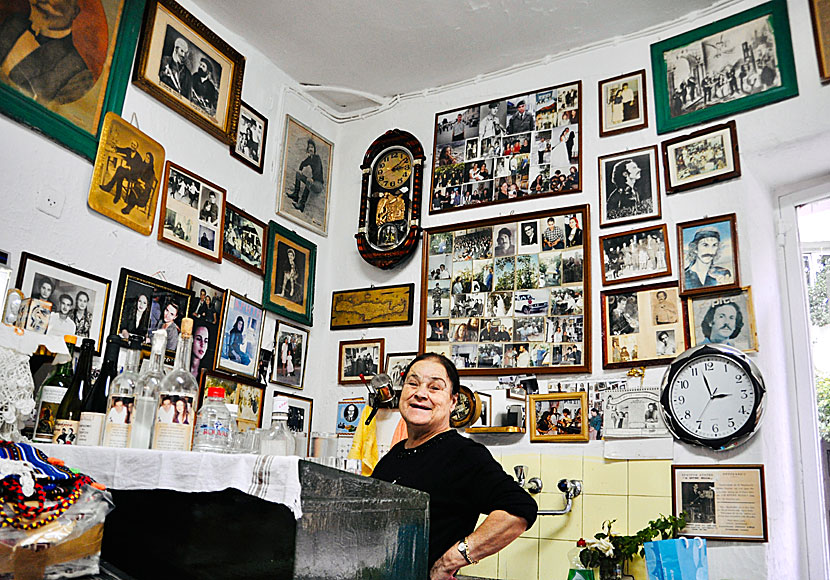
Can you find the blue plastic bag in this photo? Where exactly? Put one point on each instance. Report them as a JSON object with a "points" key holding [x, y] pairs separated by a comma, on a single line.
{"points": [[681, 559]]}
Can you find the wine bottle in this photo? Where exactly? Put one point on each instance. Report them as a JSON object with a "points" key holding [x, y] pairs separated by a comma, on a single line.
{"points": [[177, 397], [50, 395], [121, 400], [147, 393], [69, 411], [94, 406]]}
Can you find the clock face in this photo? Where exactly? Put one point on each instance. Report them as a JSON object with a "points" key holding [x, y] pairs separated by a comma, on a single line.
{"points": [[393, 169]]}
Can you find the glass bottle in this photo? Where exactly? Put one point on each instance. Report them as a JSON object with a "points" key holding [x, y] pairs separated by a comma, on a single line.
{"points": [[173, 428], [121, 401], [69, 412], [51, 393], [213, 423], [147, 393], [279, 440], [94, 407]]}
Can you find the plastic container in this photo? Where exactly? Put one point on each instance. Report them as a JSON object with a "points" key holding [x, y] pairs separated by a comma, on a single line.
{"points": [[213, 424]]}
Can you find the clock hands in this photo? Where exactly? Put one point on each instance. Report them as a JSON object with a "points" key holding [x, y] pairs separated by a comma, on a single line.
{"points": [[708, 388]]}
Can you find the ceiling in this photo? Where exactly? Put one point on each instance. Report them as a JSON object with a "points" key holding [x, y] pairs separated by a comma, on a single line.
{"points": [[362, 53]]}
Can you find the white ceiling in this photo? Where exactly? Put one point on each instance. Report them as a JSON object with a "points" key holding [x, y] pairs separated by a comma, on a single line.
{"points": [[402, 46]]}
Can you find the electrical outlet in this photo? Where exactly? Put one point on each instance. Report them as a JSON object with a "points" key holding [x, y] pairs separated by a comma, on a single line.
{"points": [[50, 202]]}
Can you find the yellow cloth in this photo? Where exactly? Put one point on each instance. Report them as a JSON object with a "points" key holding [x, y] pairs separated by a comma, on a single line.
{"points": [[400, 433], [365, 443]]}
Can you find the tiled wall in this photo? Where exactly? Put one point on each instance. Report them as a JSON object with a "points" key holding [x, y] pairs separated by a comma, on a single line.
{"points": [[631, 492]]}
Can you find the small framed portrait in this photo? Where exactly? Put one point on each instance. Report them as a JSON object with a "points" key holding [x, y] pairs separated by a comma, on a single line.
{"points": [[349, 412], [629, 187], [701, 158], [381, 305], [244, 240], [396, 363], [241, 336], [623, 104], [207, 311], [360, 357], [724, 318], [708, 255], [251, 133], [300, 415], [245, 398], [290, 352], [79, 299], [635, 255], [558, 417], [304, 191], [127, 175], [486, 417], [288, 288], [192, 213], [641, 326], [186, 66]]}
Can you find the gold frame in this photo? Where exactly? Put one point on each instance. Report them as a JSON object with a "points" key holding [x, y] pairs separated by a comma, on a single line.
{"points": [[537, 437]]}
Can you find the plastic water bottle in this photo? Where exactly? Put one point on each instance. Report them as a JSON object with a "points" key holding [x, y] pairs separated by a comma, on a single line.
{"points": [[213, 423]]}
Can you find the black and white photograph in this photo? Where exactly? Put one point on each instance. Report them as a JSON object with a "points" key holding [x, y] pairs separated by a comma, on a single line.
{"points": [[566, 301], [699, 501], [635, 255], [291, 267], [629, 187], [666, 344], [244, 239], [664, 306], [529, 237], [360, 358], [189, 72], [251, 135], [486, 417], [396, 363], [725, 318], [623, 104], [439, 298], [290, 355], [708, 254], [206, 310]]}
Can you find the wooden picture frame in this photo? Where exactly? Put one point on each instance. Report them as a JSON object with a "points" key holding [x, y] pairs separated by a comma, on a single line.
{"points": [[486, 417], [718, 234], [239, 348], [820, 17], [701, 158], [518, 147], [753, 45], [629, 187], [251, 137], [247, 396], [192, 213], [373, 306], [548, 424], [300, 416], [642, 326], [288, 288], [623, 104], [722, 318], [74, 115], [396, 363], [360, 357], [302, 198], [484, 295], [34, 272], [245, 238], [517, 393], [290, 355], [622, 262], [207, 311], [722, 501]]}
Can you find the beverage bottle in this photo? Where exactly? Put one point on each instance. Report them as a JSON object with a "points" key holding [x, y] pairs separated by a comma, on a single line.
{"points": [[173, 429], [121, 400], [573, 557], [50, 395], [147, 393], [94, 406], [69, 412], [279, 440], [213, 423]]}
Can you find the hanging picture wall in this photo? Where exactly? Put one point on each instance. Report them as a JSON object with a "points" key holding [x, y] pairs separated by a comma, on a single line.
{"points": [[525, 145], [509, 293]]}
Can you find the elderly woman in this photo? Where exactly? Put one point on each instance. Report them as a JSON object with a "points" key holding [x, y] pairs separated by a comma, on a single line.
{"points": [[460, 476]]}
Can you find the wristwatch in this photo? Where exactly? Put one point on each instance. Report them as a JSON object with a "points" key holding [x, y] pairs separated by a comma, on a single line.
{"points": [[462, 547]]}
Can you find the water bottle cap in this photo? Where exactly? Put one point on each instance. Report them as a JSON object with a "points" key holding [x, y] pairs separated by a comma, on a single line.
{"points": [[216, 392]]}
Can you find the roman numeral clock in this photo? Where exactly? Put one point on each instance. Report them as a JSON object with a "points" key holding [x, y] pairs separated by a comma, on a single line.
{"points": [[390, 199]]}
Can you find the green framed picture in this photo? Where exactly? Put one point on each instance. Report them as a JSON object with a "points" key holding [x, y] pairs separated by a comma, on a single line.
{"points": [[65, 86], [733, 65], [288, 287]]}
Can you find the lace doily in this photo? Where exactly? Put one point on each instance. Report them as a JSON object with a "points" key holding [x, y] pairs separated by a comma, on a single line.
{"points": [[16, 390]]}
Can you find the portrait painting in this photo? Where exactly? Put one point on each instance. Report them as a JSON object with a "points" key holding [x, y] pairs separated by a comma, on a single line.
{"points": [[558, 417], [360, 358], [206, 310], [635, 255], [241, 336], [251, 133], [304, 190], [349, 412], [723, 318], [708, 254], [629, 187], [245, 398], [127, 175], [288, 288], [623, 104], [245, 238], [701, 158], [291, 352]]}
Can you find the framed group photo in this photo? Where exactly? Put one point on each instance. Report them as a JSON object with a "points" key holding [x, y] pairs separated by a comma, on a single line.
{"points": [[724, 318], [623, 105], [243, 395], [241, 336], [708, 254], [288, 288], [251, 133], [291, 352], [360, 357], [701, 158], [558, 417], [629, 187], [206, 310], [375, 306], [635, 255], [245, 239]]}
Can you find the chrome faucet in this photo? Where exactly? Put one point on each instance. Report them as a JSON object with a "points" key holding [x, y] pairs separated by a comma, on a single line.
{"points": [[532, 485]]}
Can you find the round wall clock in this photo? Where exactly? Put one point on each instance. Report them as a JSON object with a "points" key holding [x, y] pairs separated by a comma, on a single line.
{"points": [[712, 395], [390, 200], [467, 410]]}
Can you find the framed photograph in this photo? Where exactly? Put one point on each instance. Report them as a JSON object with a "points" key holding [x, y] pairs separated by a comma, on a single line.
{"points": [[486, 417], [736, 64], [375, 306], [708, 250], [359, 357], [629, 187], [724, 318], [288, 288], [349, 412], [79, 299], [144, 304], [186, 66], [635, 255], [244, 397], [300, 415], [521, 146], [68, 103], [641, 326], [126, 175], [558, 417], [192, 213], [623, 105], [396, 363], [701, 158], [291, 352], [723, 502], [207, 311], [244, 240], [503, 303], [251, 133], [517, 393], [241, 335], [304, 191], [820, 14]]}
